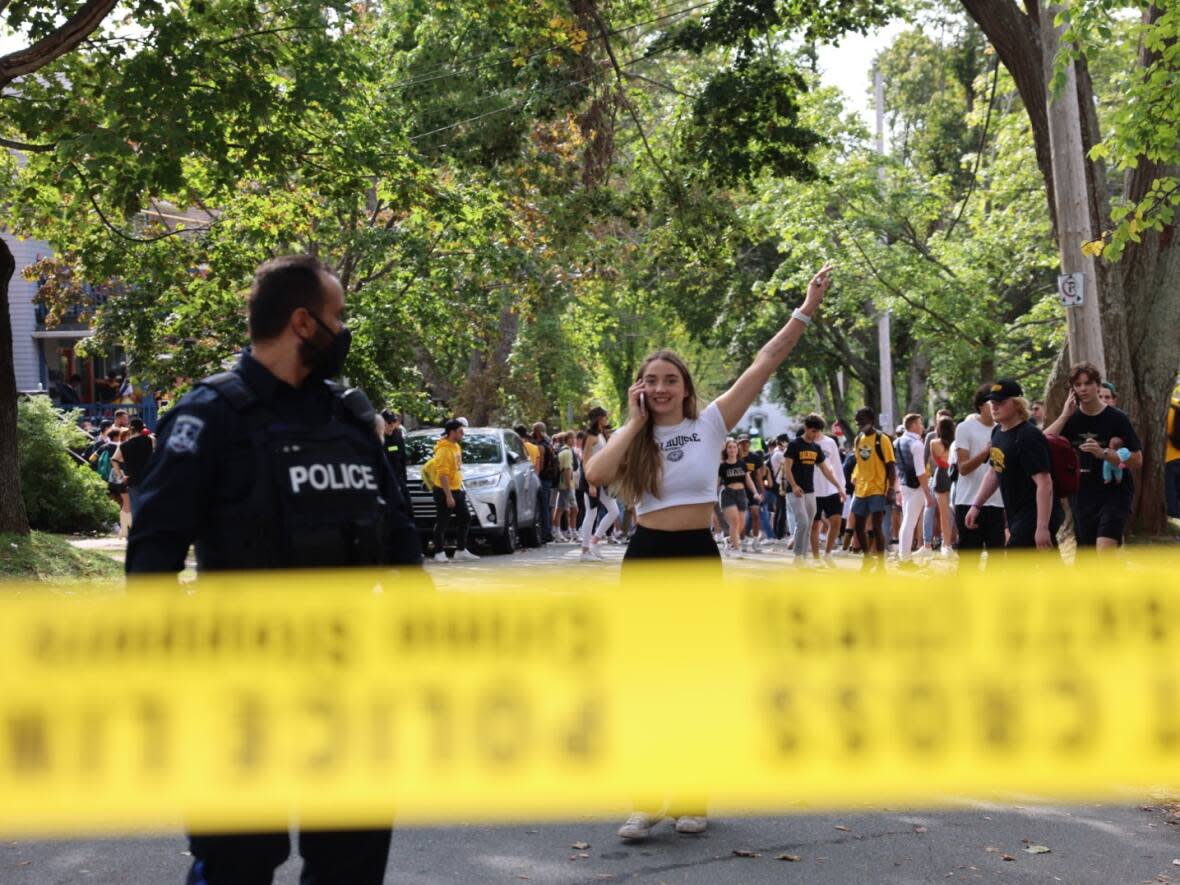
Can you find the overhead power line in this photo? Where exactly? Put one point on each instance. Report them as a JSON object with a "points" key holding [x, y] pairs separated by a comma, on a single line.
{"points": [[432, 76]]}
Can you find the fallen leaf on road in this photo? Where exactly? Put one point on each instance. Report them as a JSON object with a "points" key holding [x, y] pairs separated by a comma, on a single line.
{"points": [[1176, 862], [581, 846], [1038, 849], [842, 828], [919, 829], [990, 848], [1006, 857], [791, 857], [743, 852]]}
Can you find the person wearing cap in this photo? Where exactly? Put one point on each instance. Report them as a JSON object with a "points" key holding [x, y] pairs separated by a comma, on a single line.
{"points": [[1107, 393], [1098, 431], [450, 500], [1021, 469]]}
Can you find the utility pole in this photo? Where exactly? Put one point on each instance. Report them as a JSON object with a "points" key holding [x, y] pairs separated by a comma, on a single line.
{"points": [[1078, 284], [884, 318]]}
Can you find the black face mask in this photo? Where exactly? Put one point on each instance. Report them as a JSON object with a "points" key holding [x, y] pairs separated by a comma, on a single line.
{"points": [[327, 362]]}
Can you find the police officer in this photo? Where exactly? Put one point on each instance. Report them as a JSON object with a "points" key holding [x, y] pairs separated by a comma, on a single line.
{"points": [[270, 466]]}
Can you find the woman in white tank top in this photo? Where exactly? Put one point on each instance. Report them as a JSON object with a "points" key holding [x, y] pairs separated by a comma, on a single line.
{"points": [[664, 460]]}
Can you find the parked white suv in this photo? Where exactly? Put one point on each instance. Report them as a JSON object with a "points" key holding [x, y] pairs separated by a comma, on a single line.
{"points": [[500, 482]]}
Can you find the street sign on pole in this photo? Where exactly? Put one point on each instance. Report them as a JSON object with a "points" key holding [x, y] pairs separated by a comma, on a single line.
{"points": [[1071, 288]]}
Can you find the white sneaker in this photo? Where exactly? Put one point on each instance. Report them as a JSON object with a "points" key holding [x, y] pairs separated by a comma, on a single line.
{"points": [[691, 826], [462, 555], [592, 555], [638, 826], [745, 545], [924, 552], [757, 545], [440, 557]]}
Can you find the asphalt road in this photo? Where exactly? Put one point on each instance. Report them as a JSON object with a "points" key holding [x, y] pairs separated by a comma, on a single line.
{"points": [[979, 842]]}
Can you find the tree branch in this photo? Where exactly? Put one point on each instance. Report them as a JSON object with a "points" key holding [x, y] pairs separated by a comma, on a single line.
{"points": [[53, 46], [945, 323], [25, 146], [626, 101]]}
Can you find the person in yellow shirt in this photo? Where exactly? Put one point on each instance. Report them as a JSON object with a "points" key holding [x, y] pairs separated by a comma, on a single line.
{"points": [[873, 484], [531, 449], [450, 500], [1172, 457]]}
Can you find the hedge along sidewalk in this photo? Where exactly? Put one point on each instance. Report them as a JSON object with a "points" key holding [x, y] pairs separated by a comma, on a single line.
{"points": [[40, 556]]}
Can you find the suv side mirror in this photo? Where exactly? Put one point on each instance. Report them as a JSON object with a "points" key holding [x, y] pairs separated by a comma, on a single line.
{"points": [[513, 458]]}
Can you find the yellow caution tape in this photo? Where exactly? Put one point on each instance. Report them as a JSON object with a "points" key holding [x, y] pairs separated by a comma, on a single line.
{"points": [[351, 698]]}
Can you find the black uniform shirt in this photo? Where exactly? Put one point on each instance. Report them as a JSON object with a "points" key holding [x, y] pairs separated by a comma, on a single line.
{"points": [[203, 444]]}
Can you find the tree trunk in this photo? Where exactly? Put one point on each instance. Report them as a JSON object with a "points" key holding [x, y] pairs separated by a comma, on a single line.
{"points": [[13, 518], [1140, 296], [919, 376]]}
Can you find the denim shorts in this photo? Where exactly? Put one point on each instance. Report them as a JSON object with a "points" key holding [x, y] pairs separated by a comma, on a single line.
{"points": [[871, 504]]}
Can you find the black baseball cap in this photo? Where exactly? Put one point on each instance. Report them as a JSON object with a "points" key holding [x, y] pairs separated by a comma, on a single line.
{"points": [[1003, 389]]}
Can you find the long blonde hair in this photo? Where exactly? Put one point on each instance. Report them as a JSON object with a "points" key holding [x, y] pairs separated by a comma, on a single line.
{"points": [[642, 470]]}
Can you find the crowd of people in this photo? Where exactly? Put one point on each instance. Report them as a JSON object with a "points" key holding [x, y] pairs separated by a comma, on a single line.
{"points": [[119, 451]]}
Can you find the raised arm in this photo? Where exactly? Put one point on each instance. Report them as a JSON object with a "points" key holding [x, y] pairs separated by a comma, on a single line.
{"points": [[737, 400]]}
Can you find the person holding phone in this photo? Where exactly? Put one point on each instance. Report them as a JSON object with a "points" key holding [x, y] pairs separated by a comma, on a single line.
{"points": [[664, 460], [1097, 431]]}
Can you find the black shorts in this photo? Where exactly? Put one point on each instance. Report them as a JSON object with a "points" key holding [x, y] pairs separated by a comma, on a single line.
{"points": [[1099, 518], [654, 544], [827, 507]]}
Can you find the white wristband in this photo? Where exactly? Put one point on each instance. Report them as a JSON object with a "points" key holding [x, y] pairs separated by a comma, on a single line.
{"points": [[799, 315]]}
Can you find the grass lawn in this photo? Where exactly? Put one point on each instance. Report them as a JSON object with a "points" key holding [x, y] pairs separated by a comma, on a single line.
{"points": [[40, 556]]}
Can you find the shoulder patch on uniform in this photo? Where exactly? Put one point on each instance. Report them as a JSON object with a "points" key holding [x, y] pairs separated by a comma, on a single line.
{"points": [[185, 434]]}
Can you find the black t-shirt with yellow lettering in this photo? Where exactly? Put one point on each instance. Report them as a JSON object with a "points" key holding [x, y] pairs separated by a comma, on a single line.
{"points": [[1017, 456], [804, 458]]}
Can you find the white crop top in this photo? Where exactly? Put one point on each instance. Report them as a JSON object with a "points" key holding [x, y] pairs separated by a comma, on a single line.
{"points": [[691, 451]]}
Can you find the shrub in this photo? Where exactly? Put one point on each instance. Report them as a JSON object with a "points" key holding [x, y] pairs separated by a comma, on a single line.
{"points": [[60, 494]]}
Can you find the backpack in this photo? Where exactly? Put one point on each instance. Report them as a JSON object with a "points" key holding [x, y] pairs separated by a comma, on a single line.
{"points": [[429, 477], [550, 472], [1064, 466], [905, 458], [104, 464]]}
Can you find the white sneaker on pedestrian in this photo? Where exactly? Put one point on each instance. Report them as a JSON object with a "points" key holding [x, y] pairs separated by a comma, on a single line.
{"points": [[462, 555], [691, 826], [745, 545], [592, 555], [924, 552], [440, 557], [638, 826]]}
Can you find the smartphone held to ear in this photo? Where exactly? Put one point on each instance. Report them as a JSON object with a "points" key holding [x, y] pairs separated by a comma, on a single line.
{"points": [[642, 404]]}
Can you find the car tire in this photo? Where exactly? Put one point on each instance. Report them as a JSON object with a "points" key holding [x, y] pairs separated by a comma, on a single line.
{"points": [[531, 536], [508, 538]]}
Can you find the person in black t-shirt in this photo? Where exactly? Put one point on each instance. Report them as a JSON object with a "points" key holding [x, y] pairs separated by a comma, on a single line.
{"points": [[1022, 470], [736, 482], [754, 467], [1097, 431], [133, 455], [803, 456]]}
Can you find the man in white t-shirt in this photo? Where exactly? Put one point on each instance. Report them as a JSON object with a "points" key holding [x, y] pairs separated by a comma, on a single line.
{"points": [[912, 479], [829, 504], [782, 513], [970, 452]]}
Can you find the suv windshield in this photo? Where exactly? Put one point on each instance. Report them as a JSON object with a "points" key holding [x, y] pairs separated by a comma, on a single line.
{"points": [[478, 448]]}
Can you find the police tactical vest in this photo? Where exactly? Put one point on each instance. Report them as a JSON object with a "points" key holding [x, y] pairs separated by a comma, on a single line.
{"points": [[314, 496]]}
